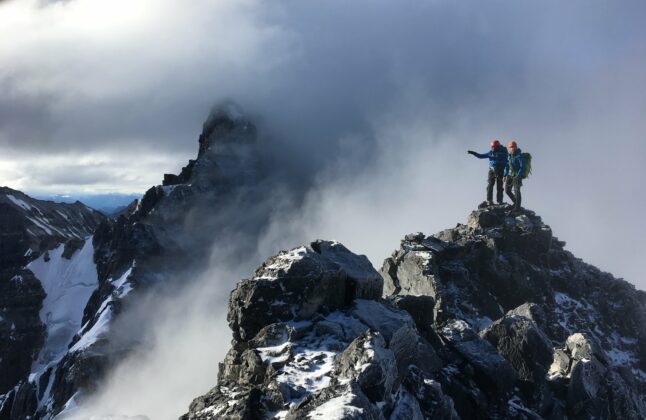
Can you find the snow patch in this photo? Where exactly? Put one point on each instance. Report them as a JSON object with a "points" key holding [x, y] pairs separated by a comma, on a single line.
{"points": [[68, 284], [336, 408], [621, 357], [306, 364], [573, 314], [20, 203], [282, 262], [40, 225], [62, 214], [102, 324]]}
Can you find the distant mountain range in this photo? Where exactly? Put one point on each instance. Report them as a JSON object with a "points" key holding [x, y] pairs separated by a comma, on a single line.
{"points": [[107, 204]]}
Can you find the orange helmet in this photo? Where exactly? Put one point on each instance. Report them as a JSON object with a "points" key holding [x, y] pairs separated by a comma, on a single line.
{"points": [[494, 143], [512, 144]]}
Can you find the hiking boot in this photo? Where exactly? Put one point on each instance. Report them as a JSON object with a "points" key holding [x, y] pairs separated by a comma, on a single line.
{"points": [[489, 203]]}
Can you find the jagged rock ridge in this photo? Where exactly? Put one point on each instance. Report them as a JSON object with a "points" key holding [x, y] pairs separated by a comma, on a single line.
{"points": [[492, 319], [30, 230], [164, 236]]}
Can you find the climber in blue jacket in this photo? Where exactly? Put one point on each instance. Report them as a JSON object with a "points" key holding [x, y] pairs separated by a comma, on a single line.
{"points": [[514, 173], [498, 160]]}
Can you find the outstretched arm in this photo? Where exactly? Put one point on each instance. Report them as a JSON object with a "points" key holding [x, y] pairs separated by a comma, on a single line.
{"points": [[479, 155]]}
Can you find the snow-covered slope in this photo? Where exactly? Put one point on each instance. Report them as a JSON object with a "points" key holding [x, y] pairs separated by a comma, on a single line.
{"points": [[68, 283], [33, 226], [37, 231]]}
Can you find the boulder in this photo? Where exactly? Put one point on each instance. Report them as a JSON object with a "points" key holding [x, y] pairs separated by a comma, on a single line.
{"points": [[523, 344], [583, 347], [411, 349], [410, 273], [432, 401], [561, 363], [481, 355], [381, 317], [237, 403], [584, 399], [345, 402], [296, 284], [369, 363], [406, 407]]}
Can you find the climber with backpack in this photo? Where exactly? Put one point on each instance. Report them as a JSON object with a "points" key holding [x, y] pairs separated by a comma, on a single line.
{"points": [[497, 163], [518, 168]]}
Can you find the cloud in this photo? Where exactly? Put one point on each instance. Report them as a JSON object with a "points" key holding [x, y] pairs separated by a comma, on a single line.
{"points": [[180, 347], [367, 108], [139, 70], [86, 172]]}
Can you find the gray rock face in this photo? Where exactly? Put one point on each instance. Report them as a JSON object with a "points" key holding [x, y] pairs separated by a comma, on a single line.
{"points": [[562, 324], [432, 401], [336, 351], [169, 233], [520, 341], [492, 319], [21, 331], [321, 277], [481, 355], [30, 227], [370, 363], [341, 402]]}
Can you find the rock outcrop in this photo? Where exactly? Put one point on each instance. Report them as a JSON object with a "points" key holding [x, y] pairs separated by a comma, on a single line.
{"points": [[165, 235], [491, 319], [312, 337], [30, 229]]}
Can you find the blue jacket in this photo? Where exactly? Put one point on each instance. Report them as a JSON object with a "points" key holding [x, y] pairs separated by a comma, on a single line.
{"points": [[516, 164], [497, 158]]}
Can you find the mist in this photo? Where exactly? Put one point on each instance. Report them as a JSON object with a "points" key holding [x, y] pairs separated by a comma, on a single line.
{"points": [[366, 108]]}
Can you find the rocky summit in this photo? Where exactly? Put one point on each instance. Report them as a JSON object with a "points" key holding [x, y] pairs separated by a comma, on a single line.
{"points": [[490, 319]]}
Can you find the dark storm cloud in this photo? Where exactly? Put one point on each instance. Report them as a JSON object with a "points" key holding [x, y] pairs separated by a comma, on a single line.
{"points": [[369, 105]]}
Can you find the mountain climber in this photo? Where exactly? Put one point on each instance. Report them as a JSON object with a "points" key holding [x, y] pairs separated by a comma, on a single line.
{"points": [[514, 173], [497, 163]]}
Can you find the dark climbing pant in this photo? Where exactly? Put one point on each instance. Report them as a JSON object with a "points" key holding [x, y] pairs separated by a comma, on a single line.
{"points": [[495, 177], [514, 182]]}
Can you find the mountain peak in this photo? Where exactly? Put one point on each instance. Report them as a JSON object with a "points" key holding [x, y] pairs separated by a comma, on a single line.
{"points": [[490, 319], [227, 152], [226, 124]]}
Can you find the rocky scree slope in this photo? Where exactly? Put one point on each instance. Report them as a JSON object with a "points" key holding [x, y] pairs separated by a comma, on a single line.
{"points": [[492, 319], [161, 241], [29, 230]]}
